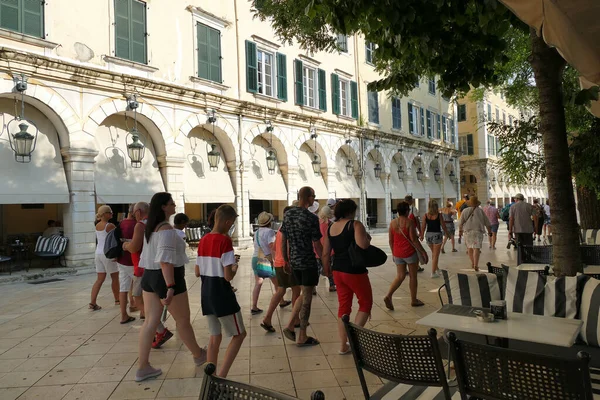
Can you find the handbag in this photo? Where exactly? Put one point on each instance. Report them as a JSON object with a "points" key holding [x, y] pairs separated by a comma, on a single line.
{"points": [[420, 256], [263, 267], [370, 257]]}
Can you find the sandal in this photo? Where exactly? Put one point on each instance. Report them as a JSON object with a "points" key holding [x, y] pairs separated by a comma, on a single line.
{"points": [[310, 341], [417, 303], [289, 334], [443, 251], [256, 311], [117, 303], [128, 320], [94, 307], [267, 327], [388, 303], [454, 251], [284, 303]]}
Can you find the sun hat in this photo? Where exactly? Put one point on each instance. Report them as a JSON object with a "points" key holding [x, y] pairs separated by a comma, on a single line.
{"points": [[473, 202], [265, 218], [314, 207]]}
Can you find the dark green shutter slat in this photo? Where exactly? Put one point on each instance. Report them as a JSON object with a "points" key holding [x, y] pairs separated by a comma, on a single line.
{"points": [[10, 15], [470, 144], [322, 91], [444, 128], [251, 67], [122, 28], [452, 137], [439, 126], [281, 77], [138, 31], [203, 52], [298, 82], [354, 99], [411, 123], [214, 41], [429, 124], [33, 18], [422, 115], [335, 94]]}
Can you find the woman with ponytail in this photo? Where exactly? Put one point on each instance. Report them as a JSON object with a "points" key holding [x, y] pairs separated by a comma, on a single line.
{"points": [[104, 265]]}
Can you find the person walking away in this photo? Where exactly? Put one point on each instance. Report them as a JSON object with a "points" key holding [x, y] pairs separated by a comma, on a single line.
{"points": [[104, 265], [325, 216], [547, 220], [179, 223], [448, 214], [432, 228], [284, 280], [264, 239], [300, 230], [414, 216], [538, 223], [474, 222], [135, 246], [461, 203], [404, 242], [520, 215], [216, 267], [125, 265], [493, 214], [351, 280], [163, 284]]}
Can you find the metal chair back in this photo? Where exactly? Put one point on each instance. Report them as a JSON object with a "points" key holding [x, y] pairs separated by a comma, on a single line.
{"points": [[499, 272], [534, 255], [413, 360], [496, 373]]}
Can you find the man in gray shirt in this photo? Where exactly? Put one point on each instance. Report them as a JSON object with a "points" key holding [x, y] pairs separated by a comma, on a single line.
{"points": [[520, 221]]}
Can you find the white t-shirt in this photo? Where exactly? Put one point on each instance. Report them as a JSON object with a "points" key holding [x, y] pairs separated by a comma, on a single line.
{"points": [[547, 210], [264, 236], [164, 246], [180, 232]]}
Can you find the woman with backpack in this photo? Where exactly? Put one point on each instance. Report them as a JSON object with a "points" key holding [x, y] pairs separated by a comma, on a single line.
{"points": [[104, 265]]}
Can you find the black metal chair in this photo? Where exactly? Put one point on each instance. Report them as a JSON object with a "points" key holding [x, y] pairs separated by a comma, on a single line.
{"points": [[411, 360], [534, 255], [499, 272], [215, 388], [590, 254], [495, 373]]}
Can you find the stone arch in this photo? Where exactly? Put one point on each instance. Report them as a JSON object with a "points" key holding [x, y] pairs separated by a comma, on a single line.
{"points": [[224, 132], [149, 116], [383, 151], [50, 103], [277, 139], [303, 137]]}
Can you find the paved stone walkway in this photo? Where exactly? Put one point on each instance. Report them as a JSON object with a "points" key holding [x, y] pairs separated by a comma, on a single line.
{"points": [[53, 347]]}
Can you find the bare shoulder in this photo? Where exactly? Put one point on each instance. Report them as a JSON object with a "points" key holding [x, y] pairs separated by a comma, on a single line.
{"points": [[165, 227]]}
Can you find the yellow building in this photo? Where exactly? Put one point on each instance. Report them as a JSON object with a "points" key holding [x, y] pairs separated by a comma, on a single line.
{"points": [[225, 111]]}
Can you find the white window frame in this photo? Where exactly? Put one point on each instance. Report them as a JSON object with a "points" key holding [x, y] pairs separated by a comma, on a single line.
{"points": [[463, 144], [345, 98], [416, 119], [315, 86], [199, 16], [262, 75], [338, 39], [429, 86], [369, 48]]}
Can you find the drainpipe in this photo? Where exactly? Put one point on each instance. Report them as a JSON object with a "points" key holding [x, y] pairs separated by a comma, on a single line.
{"points": [[240, 167], [239, 56], [363, 193]]}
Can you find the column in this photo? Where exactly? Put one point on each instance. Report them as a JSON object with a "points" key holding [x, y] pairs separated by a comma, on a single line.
{"points": [[80, 214], [242, 237], [384, 206], [171, 169]]}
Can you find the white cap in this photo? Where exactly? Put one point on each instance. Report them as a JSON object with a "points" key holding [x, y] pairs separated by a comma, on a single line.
{"points": [[331, 202], [314, 207]]}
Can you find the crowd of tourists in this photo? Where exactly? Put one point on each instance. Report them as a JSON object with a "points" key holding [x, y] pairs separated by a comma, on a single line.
{"points": [[147, 267]]}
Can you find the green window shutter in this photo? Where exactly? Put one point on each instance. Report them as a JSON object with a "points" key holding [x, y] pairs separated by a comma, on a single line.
{"points": [[251, 67], [33, 18], [10, 15], [203, 51], [214, 41], [281, 77], [354, 99], [411, 123], [470, 144], [335, 94], [444, 129], [429, 124], [422, 121], [322, 91], [298, 82], [439, 126], [122, 29], [138, 32]]}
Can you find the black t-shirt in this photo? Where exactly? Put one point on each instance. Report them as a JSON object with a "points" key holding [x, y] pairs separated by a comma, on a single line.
{"points": [[339, 244], [301, 229]]}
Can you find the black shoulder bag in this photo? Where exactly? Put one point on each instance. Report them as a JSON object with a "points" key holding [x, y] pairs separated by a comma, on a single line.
{"points": [[370, 257]]}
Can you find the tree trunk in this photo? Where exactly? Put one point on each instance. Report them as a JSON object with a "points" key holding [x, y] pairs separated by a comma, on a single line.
{"points": [[589, 208], [548, 67]]}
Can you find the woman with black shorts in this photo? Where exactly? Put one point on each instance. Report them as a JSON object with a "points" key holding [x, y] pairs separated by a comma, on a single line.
{"points": [[163, 284]]}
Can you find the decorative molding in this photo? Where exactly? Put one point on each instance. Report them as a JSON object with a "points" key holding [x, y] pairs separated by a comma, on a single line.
{"points": [[128, 63], [266, 43], [19, 37], [309, 60], [71, 154], [201, 13], [345, 74], [264, 97], [212, 84]]}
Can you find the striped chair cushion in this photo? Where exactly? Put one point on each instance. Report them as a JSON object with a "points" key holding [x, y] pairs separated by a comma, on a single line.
{"points": [[588, 312], [531, 293], [54, 244], [193, 234], [476, 290], [590, 236]]}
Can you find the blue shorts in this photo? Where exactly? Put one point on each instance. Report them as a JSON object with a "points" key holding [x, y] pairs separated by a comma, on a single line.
{"points": [[414, 259], [495, 228]]}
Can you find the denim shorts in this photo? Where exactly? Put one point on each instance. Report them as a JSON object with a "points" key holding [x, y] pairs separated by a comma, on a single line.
{"points": [[414, 259], [434, 237], [495, 227]]}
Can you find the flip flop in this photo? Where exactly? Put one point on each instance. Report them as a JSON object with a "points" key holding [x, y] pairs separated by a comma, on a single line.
{"points": [[289, 334], [94, 307], [310, 341], [117, 303], [128, 320], [284, 304], [268, 328], [388, 304], [256, 311], [418, 303]]}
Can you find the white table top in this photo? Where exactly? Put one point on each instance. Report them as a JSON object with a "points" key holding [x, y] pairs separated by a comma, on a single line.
{"points": [[525, 327], [532, 267]]}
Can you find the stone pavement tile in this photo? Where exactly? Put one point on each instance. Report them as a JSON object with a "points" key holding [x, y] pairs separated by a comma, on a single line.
{"points": [[37, 341], [308, 363], [20, 379], [93, 348], [10, 365], [11, 393], [105, 374], [294, 351], [337, 361], [312, 379], [186, 387], [349, 377], [117, 360], [109, 338], [57, 351], [331, 393], [269, 365], [91, 391], [356, 392], [124, 347], [239, 378], [184, 370], [62, 376], [241, 366], [39, 364], [66, 340], [267, 352], [79, 361], [55, 392], [133, 390], [281, 382], [16, 353]]}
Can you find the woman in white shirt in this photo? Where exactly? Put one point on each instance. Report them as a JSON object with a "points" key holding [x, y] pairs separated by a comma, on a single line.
{"points": [[163, 284], [104, 265], [474, 222]]}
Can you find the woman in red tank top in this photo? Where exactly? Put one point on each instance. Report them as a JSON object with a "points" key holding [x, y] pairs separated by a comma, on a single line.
{"points": [[404, 242]]}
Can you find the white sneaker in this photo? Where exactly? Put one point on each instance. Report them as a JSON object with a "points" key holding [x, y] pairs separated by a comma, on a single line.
{"points": [[435, 274]]}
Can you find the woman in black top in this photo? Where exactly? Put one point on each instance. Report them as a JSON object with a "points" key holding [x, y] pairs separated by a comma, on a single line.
{"points": [[349, 280]]}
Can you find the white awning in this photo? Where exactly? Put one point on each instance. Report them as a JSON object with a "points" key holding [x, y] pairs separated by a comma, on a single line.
{"points": [[397, 186], [200, 184], [449, 188], [433, 188], [375, 189], [117, 182], [262, 185], [308, 177], [345, 186], [43, 179]]}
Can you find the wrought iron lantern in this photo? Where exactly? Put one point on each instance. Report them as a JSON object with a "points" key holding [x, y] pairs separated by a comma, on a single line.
{"points": [[419, 174], [212, 151], [349, 167], [419, 154], [494, 180], [316, 158], [400, 172], [271, 160], [377, 170], [436, 175], [452, 176], [135, 148], [22, 143]]}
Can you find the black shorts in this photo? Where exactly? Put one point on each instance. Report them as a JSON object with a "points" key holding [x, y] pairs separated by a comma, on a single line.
{"points": [[284, 280], [306, 277], [154, 282]]}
